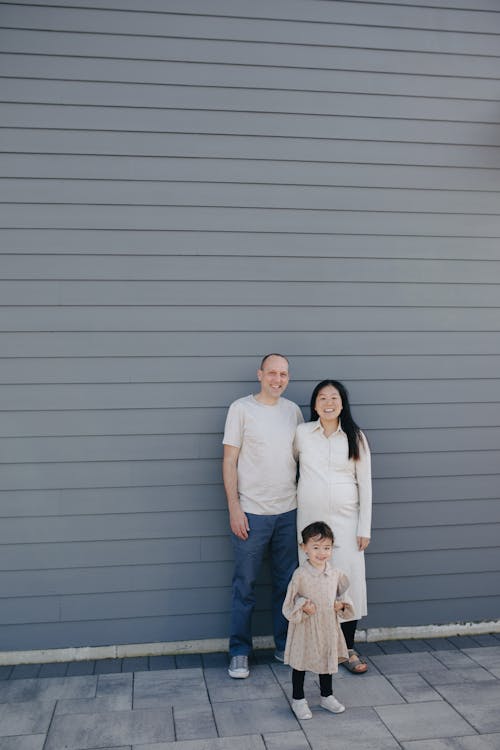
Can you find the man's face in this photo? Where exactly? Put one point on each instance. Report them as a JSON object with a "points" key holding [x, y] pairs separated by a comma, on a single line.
{"points": [[273, 377]]}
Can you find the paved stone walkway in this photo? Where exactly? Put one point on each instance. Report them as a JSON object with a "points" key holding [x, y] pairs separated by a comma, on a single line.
{"points": [[439, 694]]}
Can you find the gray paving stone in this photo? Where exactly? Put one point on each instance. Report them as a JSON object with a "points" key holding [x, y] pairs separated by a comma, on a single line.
{"points": [[441, 644], [32, 717], [419, 721], [405, 663], [488, 657], [415, 645], [368, 649], [25, 671], [194, 722], [414, 688], [496, 672], [356, 729], [24, 742], [247, 742], [463, 641], [487, 639], [454, 659], [161, 662], [444, 676], [171, 687], [393, 647], [235, 718], [474, 693], [5, 672], [83, 731], [370, 690], [49, 689], [262, 683], [114, 693], [482, 742], [211, 661], [56, 669], [106, 666], [286, 741], [188, 661], [135, 664], [484, 718], [80, 667]]}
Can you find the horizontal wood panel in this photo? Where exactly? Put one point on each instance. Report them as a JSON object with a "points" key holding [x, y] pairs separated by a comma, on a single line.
{"points": [[404, 128], [214, 344], [89, 580], [326, 198], [285, 9], [463, 585], [164, 369], [238, 292], [430, 563], [95, 632], [181, 420], [376, 150], [245, 219], [390, 59], [159, 447], [263, 171], [205, 99], [177, 395], [359, 13], [365, 76], [26, 476], [255, 244], [226, 268], [438, 612]]}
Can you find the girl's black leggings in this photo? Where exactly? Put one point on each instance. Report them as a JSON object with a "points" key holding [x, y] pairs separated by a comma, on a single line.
{"points": [[325, 684]]}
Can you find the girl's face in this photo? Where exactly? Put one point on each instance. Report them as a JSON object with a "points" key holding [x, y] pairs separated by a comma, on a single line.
{"points": [[328, 405], [318, 550]]}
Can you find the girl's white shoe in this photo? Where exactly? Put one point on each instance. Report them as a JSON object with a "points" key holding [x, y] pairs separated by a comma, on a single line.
{"points": [[332, 704], [301, 709]]}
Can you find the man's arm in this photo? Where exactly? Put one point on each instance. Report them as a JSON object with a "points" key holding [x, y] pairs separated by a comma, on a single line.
{"points": [[237, 518]]}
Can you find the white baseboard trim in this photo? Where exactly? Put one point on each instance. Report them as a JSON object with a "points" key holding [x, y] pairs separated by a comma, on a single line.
{"points": [[210, 645]]}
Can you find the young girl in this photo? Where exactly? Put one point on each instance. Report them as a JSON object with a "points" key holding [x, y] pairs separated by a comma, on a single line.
{"points": [[312, 606]]}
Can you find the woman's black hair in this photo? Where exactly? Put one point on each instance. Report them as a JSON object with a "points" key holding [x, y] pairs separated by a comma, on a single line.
{"points": [[317, 529], [349, 426]]}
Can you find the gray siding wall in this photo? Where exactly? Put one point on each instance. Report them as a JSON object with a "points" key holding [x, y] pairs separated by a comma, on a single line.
{"points": [[186, 185]]}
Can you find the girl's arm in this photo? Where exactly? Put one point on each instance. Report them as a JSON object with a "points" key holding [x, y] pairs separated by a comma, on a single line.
{"points": [[343, 604], [293, 606]]}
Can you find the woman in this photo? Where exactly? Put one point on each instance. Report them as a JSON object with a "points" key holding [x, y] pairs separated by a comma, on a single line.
{"points": [[335, 487]]}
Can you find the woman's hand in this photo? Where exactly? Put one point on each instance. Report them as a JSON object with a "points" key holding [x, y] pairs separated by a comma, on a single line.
{"points": [[363, 542], [309, 607]]}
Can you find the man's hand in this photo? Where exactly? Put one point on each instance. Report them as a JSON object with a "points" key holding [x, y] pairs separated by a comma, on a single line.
{"points": [[239, 523]]}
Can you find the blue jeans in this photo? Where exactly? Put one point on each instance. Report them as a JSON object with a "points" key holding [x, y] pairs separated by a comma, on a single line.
{"points": [[279, 533]]}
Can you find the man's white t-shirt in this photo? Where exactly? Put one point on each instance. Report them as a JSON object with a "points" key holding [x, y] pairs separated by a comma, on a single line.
{"points": [[267, 467]]}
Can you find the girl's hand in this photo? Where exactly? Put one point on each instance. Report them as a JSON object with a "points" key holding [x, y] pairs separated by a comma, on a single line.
{"points": [[309, 607], [338, 606]]}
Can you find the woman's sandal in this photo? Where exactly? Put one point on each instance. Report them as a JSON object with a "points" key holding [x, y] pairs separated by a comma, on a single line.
{"points": [[353, 664]]}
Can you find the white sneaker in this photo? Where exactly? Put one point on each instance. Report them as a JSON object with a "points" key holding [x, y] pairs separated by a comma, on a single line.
{"points": [[238, 667], [301, 709], [332, 704]]}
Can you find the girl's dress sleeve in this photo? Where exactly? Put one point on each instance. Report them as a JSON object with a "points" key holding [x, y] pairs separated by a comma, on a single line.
{"points": [[364, 480], [292, 606]]}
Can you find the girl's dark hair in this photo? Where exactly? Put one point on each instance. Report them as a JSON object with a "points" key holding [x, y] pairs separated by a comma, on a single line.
{"points": [[317, 529], [349, 426]]}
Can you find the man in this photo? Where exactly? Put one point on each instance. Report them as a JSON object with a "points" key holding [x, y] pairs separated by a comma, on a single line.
{"points": [[259, 471]]}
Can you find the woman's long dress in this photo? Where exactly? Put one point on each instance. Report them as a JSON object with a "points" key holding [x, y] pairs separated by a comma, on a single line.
{"points": [[337, 490]]}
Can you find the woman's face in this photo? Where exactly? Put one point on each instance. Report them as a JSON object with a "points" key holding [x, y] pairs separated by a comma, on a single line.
{"points": [[328, 404]]}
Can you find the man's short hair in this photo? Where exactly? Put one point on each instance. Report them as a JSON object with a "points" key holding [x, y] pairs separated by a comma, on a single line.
{"points": [[273, 354]]}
